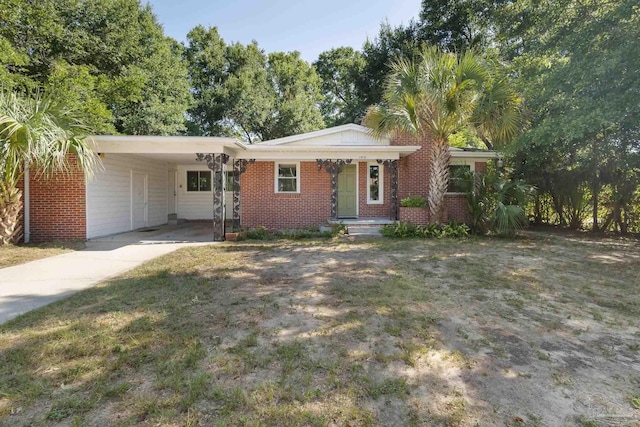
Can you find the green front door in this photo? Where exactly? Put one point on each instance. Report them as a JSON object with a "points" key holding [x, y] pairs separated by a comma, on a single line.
{"points": [[347, 191]]}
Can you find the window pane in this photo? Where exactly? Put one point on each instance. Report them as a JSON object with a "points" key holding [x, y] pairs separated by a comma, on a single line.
{"points": [[287, 184], [205, 181], [374, 183], [287, 171], [458, 178], [192, 181]]}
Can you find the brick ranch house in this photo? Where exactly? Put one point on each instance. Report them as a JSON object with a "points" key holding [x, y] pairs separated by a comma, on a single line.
{"points": [[297, 181]]}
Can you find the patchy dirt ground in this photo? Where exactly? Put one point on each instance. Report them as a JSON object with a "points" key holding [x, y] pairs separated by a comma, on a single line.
{"points": [[540, 331]]}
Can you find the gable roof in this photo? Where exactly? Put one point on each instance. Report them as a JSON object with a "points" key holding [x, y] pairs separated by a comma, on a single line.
{"points": [[352, 134]]}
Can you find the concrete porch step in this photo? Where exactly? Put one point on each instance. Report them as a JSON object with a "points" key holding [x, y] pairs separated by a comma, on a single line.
{"points": [[363, 226], [364, 230], [361, 221]]}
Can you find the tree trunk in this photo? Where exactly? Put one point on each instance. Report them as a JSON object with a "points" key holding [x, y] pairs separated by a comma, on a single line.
{"points": [[595, 193], [438, 179], [10, 212]]}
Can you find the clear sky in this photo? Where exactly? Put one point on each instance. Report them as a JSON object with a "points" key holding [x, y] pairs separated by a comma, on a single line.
{"points": [[309, 27]]}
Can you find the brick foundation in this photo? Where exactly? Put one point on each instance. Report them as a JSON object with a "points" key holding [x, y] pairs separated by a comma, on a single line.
{"points": [[417, 216]]}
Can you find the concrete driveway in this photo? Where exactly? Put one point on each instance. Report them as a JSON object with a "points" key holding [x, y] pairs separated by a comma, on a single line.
{"points": [[31, 285]]}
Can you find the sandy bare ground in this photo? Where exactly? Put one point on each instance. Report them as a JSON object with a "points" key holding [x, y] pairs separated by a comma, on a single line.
{"points": [[540, 331]]}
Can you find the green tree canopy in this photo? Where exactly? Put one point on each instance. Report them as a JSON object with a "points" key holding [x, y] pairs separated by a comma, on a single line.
{"points": [[577, 63], [298, 96], [240, 91], [108, 57], [340, 70]]}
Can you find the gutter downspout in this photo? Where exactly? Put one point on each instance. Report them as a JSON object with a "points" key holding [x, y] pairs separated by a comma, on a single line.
{"points": [[27, 219]]}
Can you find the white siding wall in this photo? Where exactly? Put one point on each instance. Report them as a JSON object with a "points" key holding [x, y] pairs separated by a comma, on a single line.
{"points": [[109, 194], [194, 205]]}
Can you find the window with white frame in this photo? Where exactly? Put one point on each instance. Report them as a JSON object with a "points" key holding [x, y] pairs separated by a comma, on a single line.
{"points": [[459, 178], [198, 181], [287, 179], [375, 183]]}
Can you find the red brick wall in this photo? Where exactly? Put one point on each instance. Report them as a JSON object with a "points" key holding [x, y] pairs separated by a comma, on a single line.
{"points": [[481, 167], [456, 204], [21, 220], [261, 206], [456, 207], [417, 216], [413, 170], [365, 210], [58, 207]]}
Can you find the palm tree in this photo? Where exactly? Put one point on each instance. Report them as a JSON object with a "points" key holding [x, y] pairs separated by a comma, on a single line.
{"points": [[439, 95], [37, 133]]}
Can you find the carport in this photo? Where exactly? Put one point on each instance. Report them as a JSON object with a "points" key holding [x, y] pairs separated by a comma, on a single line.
{"points": [[149, 180]]}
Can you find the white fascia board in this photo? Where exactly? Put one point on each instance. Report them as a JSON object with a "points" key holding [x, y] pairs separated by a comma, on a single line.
{"points": [[455, 153], [128, 144], [336, 152], [317, 133]]}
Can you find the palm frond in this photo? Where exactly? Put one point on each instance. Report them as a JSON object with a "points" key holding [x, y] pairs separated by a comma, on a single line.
{"points": [[507, 219], [40, 132]]}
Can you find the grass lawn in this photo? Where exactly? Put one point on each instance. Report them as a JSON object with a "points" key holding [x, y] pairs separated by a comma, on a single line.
{"points": [[539, 331], [13, 255]]}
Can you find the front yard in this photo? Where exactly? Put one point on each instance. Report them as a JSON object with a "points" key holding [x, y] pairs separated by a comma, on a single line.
{"points": [[542, 330]]}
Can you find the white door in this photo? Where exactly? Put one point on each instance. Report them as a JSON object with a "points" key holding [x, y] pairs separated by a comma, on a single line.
{"points": [[172, 193], [138, 200]]}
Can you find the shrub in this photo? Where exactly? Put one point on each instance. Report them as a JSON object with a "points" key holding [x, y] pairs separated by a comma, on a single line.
{"points": [[494, 202], [338, 229], [407, 229], [389, 230], [258, 233], [430, 230], [454, 229], [413, 202], [301, 233]]}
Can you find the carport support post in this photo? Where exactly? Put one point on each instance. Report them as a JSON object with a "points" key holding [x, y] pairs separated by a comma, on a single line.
{"points": [[218, 165]]}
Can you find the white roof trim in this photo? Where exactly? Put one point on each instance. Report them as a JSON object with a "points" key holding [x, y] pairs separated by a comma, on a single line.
{"points": [[143, 144], [355, 152], [277, 149], [317, 133], [458, 152]]}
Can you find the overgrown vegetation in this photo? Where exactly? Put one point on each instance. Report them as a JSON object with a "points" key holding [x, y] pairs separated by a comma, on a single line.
{"points": [[408, 229], [413, 202], [495, 202], [261, 233]]}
